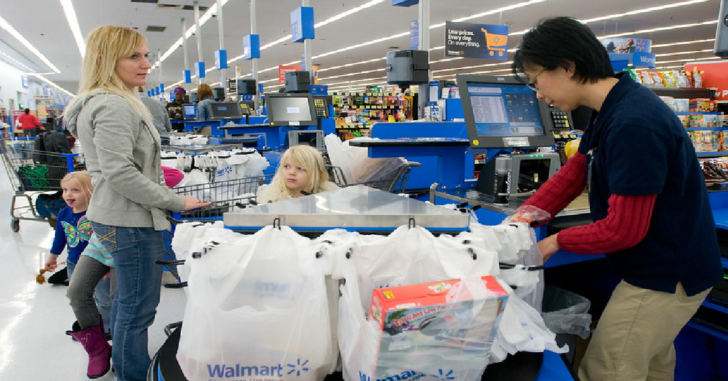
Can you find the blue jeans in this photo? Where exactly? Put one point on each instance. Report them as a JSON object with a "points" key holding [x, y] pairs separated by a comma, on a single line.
{"points": [[70, 266], [138, 285]]}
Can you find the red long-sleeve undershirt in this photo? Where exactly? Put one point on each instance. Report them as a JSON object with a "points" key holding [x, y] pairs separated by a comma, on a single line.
{"points": [[628, 217]]}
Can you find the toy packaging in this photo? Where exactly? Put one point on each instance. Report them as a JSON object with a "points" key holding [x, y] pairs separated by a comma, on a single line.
{"points": [[449, 323]]}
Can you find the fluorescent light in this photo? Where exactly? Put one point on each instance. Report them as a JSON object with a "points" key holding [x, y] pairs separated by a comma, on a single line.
{"points": [[190, 31], [683, 43], [42, 78], [644, 10], [349, 12], [17, 62], [73, 24], [4, 24], [682, 26], [683, 53]]}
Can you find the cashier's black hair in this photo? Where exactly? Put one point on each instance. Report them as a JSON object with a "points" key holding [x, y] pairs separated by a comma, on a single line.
{"points": [[555, 42]]}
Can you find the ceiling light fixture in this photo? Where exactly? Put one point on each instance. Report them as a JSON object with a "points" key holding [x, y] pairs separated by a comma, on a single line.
{"points": [[644, 10], [317, 25], [5, 25], [683, 53], [682, 26], [73, 24], [683, 43], [190, 31], [46, 80]]}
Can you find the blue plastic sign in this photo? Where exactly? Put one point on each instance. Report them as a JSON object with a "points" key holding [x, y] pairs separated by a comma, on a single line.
{"points": [[221, 59], [200, 69], [318, 89], [24, 78], [260, 88], [302, 24], [476, 40], [187, 76], [405, 3], [643, 59], [414, 35], [251, 46], [161, 89]]}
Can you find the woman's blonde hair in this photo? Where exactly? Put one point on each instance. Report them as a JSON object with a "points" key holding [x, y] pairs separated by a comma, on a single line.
{"points": [[309, 159], [204, 91], [105, 45], [84, 180]]}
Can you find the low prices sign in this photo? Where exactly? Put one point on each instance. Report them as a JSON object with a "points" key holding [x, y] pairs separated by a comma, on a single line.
{"points": [[476, 40], [715, 76]]}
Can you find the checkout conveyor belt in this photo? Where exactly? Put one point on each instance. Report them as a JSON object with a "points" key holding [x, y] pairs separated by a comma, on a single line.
{"points": [[355, 208]]}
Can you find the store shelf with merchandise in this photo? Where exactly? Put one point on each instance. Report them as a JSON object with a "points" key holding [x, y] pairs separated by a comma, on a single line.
{"points": [[355, 112]]}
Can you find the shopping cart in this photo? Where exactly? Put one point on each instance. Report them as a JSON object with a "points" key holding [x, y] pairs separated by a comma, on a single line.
{"points": [[33, 173], [224, 196], [396, 183], [495, 42]]}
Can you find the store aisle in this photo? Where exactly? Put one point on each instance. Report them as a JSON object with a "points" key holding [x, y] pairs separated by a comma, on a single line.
{"points": [[34, 318]]}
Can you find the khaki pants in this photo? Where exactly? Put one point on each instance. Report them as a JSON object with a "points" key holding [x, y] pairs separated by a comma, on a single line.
{"points": [[634, 337]]}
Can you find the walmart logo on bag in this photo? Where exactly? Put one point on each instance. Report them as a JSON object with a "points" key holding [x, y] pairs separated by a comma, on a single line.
{"points": [[272, 372], [410, 375]]}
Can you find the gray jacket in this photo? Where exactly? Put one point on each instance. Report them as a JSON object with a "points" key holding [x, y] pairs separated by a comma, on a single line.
{"points": [[123, 155]]}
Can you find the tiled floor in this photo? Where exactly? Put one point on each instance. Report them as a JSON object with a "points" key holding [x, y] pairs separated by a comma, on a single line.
{"points": [[34, 318]]}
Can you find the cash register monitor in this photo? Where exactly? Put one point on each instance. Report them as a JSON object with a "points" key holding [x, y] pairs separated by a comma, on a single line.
{"points": [[290, 109], [225, 111], [190, 111], [502, 112]]}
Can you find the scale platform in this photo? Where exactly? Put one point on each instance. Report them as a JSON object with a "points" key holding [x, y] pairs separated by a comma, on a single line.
{"points": [[355, 208]]}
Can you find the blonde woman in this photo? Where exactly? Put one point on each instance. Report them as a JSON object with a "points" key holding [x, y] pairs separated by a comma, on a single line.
{"points": [[128, 210], [301, 171]]}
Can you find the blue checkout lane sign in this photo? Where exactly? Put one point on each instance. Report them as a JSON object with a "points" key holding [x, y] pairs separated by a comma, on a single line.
{"points": [[414, 35], [476, 40]]}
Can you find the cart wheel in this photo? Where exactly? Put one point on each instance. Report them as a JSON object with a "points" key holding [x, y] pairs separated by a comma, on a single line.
{"points": [[15, 225]]}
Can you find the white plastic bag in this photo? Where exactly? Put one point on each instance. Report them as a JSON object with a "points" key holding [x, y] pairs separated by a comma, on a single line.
{"points": [[407, 256], [257, 309]]}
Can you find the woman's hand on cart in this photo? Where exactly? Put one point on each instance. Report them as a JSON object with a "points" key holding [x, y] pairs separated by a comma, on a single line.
{"points": [[194, 203]]}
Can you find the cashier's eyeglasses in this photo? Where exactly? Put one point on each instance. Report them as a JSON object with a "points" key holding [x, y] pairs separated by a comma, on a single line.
{"points": [[533, 85]]}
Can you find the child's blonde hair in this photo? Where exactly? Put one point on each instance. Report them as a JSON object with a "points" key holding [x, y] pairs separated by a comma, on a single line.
{"points": [[84, 180], [309, 159]]}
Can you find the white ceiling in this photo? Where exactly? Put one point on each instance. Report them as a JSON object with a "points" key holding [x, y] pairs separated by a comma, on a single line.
{"points": [[43, 24]]}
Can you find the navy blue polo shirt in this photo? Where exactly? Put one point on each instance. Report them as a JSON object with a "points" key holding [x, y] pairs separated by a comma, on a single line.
{"points": [[637, 146]]}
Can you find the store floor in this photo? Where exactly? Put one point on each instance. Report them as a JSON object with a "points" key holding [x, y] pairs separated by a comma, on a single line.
{"points": [[34, 318]]}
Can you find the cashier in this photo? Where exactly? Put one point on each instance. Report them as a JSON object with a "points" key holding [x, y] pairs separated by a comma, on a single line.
{"points": [[647, 197], [301, 172]]}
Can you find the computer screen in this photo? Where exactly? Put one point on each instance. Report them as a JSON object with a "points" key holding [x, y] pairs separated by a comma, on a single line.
{"points": [[290, 109], [502, 112], [190, 111], [225, 110], [313, 138]]}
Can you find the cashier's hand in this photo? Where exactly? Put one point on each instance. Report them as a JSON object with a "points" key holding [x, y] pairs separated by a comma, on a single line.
{"points": [[548, 246], [193, 203]]}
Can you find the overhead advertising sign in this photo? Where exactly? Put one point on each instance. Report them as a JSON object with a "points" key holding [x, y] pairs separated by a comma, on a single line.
{"points": [[626, 45], [476, 40]]}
